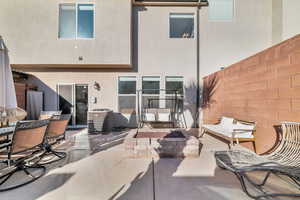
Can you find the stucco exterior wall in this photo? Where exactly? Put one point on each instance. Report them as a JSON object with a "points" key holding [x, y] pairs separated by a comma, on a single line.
{"points": [[154, 54], [225, 42], [30, 30], [147, 45], [290, 18]]}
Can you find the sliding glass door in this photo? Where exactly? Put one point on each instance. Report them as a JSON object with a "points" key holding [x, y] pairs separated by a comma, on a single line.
{"points": [[73, 99]]}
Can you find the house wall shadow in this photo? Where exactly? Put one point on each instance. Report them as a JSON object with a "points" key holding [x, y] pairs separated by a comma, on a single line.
{"points": [[190, 101], [124, 120], [161, 178], [38, 188]]}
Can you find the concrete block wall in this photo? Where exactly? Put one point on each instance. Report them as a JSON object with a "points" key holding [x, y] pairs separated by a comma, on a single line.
{"points": [[264, 88]]}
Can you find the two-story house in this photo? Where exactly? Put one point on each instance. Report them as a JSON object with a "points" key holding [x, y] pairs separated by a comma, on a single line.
{"points": [[91, 54]]}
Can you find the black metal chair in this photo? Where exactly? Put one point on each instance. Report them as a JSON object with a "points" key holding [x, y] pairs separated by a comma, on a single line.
{"points": [[22, 152], [55, 133]]}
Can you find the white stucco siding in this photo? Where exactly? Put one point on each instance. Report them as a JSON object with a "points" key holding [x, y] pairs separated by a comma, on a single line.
{"points": [[291, 18], [223, 43], [30, 30]]}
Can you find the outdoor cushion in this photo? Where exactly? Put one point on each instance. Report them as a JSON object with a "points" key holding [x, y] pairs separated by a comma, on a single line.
{"points": [[229, 129], [150, 117], [239, 125], [163, 117], [227, 123]]}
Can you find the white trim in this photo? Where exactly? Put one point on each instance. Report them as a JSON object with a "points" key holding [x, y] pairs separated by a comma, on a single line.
{"points": [[182, 15]]}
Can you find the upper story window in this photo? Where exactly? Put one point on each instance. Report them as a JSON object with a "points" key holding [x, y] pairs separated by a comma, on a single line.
{"points": [[181, 25], [221, 10], [76, 21]]}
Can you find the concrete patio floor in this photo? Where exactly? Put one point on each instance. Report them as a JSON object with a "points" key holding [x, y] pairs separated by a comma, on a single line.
{"points": [[109, 175]]}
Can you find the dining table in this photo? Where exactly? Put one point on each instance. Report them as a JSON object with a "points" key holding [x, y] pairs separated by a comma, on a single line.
{"points": [[6, 131]]}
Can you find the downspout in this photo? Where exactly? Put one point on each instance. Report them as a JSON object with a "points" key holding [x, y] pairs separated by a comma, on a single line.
{"points": [[198, 69]]}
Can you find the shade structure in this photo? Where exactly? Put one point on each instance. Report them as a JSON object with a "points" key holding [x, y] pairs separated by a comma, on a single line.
{"points": [[8, 100]]}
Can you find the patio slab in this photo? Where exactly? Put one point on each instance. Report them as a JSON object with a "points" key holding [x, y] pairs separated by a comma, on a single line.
{"points": [[110, 175]]}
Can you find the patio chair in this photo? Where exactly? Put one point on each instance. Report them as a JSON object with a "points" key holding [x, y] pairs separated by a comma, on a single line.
{"points": [[55, 133], [284, 161], [49, 114], [22, 152]]}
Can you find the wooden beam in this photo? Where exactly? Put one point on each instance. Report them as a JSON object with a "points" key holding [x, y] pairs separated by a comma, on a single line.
{"points": [[155, 3]]}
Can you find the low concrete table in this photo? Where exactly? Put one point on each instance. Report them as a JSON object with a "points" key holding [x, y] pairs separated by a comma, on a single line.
{"points": [[174, 143]]}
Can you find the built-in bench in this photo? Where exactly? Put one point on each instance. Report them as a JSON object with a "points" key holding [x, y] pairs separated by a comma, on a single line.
{"points": [[232, 130]]}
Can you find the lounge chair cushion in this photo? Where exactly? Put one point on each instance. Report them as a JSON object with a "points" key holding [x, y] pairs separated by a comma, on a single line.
{"points": [[227, 130]]}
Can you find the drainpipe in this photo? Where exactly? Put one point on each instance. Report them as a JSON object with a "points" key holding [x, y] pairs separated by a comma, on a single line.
{"points": [[198, 69]]}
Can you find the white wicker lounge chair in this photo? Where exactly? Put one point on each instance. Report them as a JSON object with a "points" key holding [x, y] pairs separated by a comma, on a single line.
{"points": [[285, 160]]}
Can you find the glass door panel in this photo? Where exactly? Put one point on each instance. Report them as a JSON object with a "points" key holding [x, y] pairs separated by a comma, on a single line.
{"points": [[81, 103], [66, 100]]}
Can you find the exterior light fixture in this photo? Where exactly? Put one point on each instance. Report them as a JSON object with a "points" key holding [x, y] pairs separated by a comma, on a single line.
{"points": [[97, 86]]}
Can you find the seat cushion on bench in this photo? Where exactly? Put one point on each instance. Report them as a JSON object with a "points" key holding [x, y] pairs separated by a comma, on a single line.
{"points": [[226, 121], [163, 117], [240, 125], [150, 117], [227, 132]]}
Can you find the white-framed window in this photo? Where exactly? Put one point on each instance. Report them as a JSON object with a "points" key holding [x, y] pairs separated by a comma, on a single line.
{"points": [[181, 25], [151, 91], [174, 86], [174, 83], [221, 10], [127, 94], [76, 21]]}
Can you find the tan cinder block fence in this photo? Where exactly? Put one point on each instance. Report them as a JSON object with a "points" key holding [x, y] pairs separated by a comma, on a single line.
{"points": [[264, 88]]}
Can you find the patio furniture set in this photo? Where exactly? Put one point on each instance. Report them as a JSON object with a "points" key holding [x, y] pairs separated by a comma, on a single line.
{"points": [[284, 161], [27, 146]]}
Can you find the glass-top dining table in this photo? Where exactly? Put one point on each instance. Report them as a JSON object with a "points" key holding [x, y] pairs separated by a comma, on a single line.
{"points": [[7, 131]]}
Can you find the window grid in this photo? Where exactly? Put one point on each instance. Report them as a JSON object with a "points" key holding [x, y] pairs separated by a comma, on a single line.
{"points": [[125, 108], [176, 28], [76, 21]]}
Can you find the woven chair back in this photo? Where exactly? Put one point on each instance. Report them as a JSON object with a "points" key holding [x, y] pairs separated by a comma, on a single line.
{"points": [[57, 127], [28, 135], [288, 152]]}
